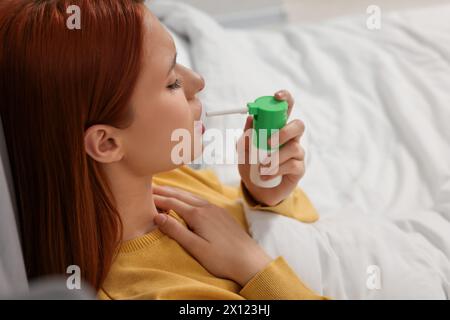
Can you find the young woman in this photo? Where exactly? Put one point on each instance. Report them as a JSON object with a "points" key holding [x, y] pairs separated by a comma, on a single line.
{"points": [[88, 115]]}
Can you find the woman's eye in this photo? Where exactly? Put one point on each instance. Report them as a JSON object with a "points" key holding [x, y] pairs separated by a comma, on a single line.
{"points": [[176, 85]]}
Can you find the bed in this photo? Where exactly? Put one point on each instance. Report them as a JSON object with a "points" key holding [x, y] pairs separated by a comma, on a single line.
{"points": [[376, 104]]}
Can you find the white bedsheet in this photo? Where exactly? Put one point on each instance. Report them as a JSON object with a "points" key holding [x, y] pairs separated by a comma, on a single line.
{"points": [[377, 110]]}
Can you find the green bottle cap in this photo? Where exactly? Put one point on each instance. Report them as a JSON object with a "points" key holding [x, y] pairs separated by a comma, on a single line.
{"points": [[270, 115]]}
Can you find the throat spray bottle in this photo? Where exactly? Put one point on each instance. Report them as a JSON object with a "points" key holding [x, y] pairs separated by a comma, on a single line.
{"points": [[269, 116]]}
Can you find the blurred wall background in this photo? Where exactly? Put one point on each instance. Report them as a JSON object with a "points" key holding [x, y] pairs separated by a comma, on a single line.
{"points": [[271, 13]]}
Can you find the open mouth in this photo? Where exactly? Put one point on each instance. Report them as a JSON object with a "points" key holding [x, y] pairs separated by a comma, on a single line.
{"points": [[199, 127]]}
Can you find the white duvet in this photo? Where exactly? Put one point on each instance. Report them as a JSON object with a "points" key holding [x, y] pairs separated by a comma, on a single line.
{"points": [[377, 109]]}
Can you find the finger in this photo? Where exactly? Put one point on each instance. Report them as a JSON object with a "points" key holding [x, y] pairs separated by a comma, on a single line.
{"points": [[190, 241], [291, 150], [186, 211], [293, 130], [245, 138], [286, 96], [290, 167], [243, 144], [179, 194], [248, 123]]}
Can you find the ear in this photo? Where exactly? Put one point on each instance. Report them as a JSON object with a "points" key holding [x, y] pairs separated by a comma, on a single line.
{"points": [[103, 143]]}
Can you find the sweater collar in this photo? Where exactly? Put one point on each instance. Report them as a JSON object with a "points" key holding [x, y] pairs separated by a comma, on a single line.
{"points": [[147, 239]]}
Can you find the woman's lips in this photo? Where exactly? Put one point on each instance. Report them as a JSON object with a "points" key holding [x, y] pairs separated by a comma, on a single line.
{"points": [[199, 127]]}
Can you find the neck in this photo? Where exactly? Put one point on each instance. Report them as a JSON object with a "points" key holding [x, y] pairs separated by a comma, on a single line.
{"points": [[134, 200]]}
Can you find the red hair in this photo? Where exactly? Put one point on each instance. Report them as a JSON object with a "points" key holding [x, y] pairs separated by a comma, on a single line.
{"points": [[54, 84]]}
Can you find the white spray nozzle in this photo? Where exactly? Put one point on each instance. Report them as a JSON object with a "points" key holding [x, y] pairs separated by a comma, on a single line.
{"points": [[224, 112]]}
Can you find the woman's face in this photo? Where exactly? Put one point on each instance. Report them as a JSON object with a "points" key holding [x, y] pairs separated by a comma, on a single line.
{"points": [[164, 100]]}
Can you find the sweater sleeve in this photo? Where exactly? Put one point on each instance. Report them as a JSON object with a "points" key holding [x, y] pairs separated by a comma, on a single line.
{"points": [[297, 205], [278, 282]]}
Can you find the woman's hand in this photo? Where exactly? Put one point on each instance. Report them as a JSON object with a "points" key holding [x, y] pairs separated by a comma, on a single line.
{"points": [[214, 237], [290, 163]]}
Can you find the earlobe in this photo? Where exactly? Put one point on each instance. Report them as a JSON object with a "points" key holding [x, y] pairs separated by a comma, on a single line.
{"points": [[102, 144]]}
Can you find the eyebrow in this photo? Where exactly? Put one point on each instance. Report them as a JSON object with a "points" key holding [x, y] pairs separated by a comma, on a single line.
{"points": [[174, 62]]}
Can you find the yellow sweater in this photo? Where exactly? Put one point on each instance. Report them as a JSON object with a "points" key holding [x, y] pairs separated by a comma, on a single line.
{"points": [[154, 266]]}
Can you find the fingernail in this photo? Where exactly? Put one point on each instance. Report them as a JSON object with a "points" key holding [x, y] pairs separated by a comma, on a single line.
{"points": [[160, 219], [265, 160], [273, 142], [265, 171]]}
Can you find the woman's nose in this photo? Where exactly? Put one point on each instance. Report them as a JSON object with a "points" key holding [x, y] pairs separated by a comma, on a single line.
{"points": [[199, 82], [202, 83], [194, 82]]}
